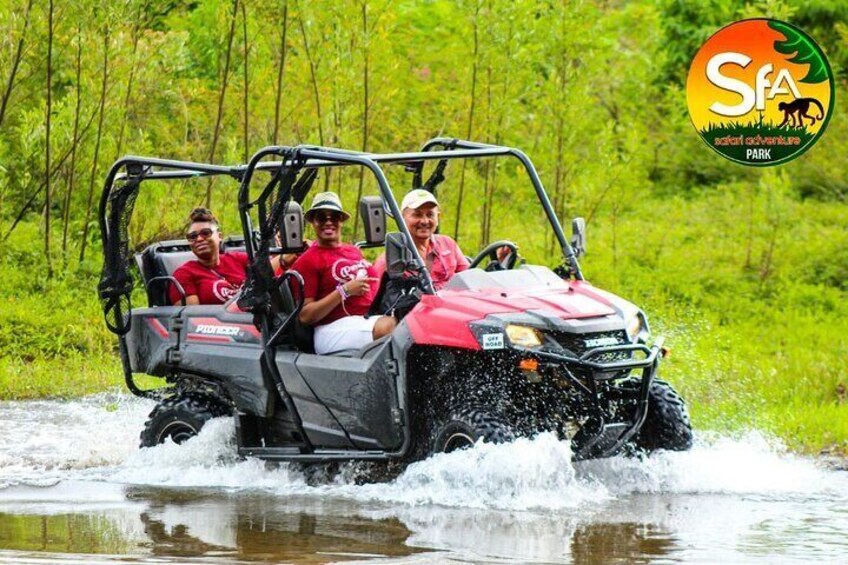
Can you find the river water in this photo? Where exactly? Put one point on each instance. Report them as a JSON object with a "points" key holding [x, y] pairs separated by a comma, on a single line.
{"points": [[74, 487]]}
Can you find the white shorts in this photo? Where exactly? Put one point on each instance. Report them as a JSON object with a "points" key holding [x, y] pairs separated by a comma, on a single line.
{"points": [[350, 332]]}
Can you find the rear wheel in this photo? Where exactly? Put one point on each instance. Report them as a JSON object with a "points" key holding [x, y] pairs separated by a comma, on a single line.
{"points": [[181, 417], [465, 426], [667, 424]]}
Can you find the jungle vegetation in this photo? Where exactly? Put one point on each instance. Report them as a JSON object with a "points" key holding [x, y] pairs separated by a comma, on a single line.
{"points": [[745, 270]]}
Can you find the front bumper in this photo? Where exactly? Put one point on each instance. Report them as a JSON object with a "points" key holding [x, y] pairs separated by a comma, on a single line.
{"points": [[596, 437]]}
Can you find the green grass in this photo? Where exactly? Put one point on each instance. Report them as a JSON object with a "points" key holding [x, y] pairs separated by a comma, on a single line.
{"points": [[53, 342]]}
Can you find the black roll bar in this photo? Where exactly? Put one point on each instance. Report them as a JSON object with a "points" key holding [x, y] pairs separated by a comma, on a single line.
{"points": [[138, 169], [244, 202], [568, 251], [143, 167], [312, 156], [319, 157]]}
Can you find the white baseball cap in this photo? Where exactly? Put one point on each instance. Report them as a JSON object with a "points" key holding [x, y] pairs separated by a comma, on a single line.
{"points": [[417, 198]]}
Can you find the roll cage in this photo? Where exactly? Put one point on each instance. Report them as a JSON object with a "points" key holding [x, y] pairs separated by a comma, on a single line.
{"points": [[291, 177], [313, 157]]}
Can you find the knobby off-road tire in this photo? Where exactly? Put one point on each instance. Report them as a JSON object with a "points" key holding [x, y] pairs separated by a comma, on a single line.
{"points": [[667, 424], [181, 417], [466, 425]]}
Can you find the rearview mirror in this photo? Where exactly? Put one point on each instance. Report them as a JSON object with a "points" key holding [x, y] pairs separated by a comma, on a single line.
{"points": [[578, 236], [398, 255]]}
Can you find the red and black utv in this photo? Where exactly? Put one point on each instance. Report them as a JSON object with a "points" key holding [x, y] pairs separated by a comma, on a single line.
{"points": [[495, 355]]}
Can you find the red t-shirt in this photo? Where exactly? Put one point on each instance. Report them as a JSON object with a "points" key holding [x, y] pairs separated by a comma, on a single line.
{"points": [[444, 259], [211, 285], [324, 268]]}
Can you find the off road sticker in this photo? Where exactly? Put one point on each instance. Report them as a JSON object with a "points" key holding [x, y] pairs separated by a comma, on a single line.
{"points": [[493, 341], [760, 92]]}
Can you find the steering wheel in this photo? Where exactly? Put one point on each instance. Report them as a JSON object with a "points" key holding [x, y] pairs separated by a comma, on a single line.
{"points": [[491, 252]]}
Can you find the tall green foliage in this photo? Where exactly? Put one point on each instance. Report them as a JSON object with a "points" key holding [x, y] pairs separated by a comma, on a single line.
{"points": [[736, 264]]}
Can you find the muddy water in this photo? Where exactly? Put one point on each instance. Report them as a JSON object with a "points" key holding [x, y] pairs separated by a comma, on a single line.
{"points": [[75, 488]]}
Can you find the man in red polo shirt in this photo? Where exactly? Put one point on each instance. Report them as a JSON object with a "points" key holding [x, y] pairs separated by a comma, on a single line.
{"points": [[441, 254]]}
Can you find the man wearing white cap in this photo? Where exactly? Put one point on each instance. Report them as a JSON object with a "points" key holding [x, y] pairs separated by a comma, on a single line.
{"points": [[338, 283], [441, 254]]}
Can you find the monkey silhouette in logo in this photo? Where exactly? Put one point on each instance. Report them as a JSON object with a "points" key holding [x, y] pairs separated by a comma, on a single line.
{"points": [[799, 108]]}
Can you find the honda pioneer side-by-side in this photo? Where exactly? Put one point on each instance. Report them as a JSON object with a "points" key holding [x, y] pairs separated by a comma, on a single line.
{"points": [[504, 350]]}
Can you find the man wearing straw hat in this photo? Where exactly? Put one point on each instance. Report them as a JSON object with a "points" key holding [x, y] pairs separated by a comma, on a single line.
{"points": [[339, 284]]}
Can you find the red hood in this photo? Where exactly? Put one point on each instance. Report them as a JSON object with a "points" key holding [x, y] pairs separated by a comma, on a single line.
{"points": [[443, 319]]}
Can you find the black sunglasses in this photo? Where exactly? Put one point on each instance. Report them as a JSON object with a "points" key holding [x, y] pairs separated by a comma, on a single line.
{"points": [[334, 217], [205, 232]]}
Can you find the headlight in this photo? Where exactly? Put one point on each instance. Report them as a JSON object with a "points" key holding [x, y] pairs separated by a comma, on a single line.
{"points": [[633, 327], [637, 328], [523, 336]]}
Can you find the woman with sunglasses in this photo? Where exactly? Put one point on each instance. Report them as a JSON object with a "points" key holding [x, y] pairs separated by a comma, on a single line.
{"points": [[338, 283], [215, 276]]}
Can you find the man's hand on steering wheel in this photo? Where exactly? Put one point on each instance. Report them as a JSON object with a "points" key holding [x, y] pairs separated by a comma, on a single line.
{"points": [[504, 253]]}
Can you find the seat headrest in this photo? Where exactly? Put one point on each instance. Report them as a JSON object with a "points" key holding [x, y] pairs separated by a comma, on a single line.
{"points": [[291, 228]]}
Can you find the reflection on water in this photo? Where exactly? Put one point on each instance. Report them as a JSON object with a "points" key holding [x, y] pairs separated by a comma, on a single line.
{"points": [[619, 543], [63, 533], [73, 488], [256, 527], [172, 524]]}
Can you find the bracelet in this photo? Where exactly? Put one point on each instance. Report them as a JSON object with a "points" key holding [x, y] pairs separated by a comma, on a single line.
{"points": [[341, 290]]}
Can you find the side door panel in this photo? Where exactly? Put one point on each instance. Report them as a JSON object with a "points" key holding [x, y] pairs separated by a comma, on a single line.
{"points": [[360, 392], [320, 426]]}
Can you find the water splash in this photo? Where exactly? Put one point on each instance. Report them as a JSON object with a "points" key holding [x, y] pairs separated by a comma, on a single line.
{"points": [[96, 439], [729, 499], [207, 460], [523, 475], [44, 442], [749, 464]]}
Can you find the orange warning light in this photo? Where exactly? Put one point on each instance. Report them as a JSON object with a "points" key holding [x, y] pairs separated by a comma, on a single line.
{"points": [[528, 365]]}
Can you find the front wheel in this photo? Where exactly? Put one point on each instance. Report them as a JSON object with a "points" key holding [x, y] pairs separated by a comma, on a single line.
{"points": [[465, 426], [667, 424], [180, 417]]}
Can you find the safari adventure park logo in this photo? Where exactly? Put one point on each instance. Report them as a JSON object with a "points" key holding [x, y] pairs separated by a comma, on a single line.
{"points": [[760, 92]]}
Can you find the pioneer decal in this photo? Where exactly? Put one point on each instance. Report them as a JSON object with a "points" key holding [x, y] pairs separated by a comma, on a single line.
{"points": [[208, 329]]}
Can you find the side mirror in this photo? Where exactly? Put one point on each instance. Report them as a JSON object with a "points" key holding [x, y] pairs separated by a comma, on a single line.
{"points": [[578, 236], [373, 219], [291, 228], [398, 255]]}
